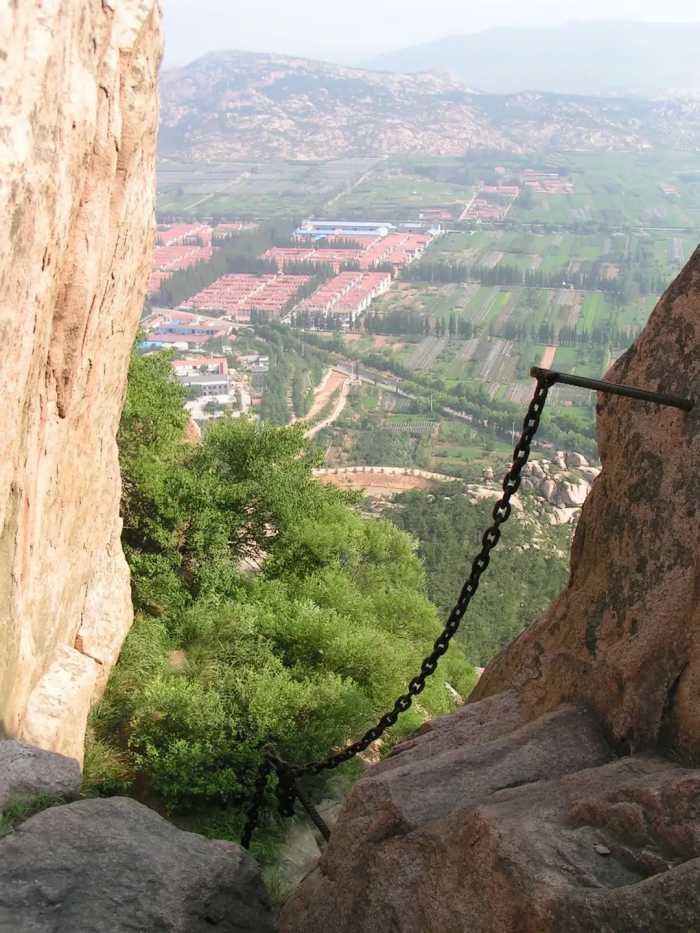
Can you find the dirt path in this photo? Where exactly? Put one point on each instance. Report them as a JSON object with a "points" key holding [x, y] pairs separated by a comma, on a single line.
{"points": [[332, 381], [215, 194], [548, 357], [351, 187], [337, 408]]}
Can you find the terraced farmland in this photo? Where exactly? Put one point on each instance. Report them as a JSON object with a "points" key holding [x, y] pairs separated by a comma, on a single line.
{"points": [[426, 353]]}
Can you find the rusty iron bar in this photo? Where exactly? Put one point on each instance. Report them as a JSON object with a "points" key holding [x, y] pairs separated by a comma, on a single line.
{"points": [[552, 377]]}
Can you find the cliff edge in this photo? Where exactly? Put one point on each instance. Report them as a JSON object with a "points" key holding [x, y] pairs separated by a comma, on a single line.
{"points": [[565, 795], [78, 117]]}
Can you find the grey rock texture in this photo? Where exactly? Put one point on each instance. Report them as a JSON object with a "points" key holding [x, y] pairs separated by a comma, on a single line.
{"points": [[112, 866], [26, 772]]}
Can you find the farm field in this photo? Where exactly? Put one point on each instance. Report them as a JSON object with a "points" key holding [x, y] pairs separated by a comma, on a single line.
{"points": [[648, 189], [376, 429], [565, 277], [510, 330], [657, 254], [251, 190], [389, 192]]}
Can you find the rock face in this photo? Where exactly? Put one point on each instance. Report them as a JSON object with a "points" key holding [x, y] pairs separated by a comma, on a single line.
{"points": [[563, 483], [564, 797], [78, 115], [26, 772], [489, 823], [107, 866]]}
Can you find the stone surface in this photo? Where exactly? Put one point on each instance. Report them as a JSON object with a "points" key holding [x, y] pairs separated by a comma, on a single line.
{"points": [[488, 823], [571, 494], [562, 516], [563, 483], [575, 460], [111, 866], [56, 714], [26, 772], [580, 739], [78, 115]]}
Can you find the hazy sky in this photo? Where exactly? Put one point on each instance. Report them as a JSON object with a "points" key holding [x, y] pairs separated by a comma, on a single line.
{"points": [[348, 30]]}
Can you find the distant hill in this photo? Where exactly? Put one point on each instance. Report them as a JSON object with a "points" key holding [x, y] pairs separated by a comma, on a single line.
{"points": [[630, 59], [241, 105]]}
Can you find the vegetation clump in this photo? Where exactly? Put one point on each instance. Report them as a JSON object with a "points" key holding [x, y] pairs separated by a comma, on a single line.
{"points": [[267, 609], [20, 810], [527, 571]]}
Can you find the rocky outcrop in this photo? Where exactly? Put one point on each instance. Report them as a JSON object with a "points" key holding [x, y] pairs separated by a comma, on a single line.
{"points": [[78, 114], [564, 797], [564, 484], [114, 865], [486, 822], [27, 772]]}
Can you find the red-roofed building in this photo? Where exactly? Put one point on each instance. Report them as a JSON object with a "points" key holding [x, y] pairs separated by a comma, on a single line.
{"points": [[345, 296]]}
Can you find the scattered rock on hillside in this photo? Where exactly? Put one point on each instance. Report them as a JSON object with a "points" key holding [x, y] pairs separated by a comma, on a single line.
{"points": [[564, 483], [574, 461], [232, 105], [571, 494], [562, 515], [26, 772], [111, 866]]}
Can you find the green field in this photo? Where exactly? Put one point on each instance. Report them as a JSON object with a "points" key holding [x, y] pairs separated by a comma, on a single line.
{"points": [[617, 189], [367, 434], [389, 192], [252, 190]]}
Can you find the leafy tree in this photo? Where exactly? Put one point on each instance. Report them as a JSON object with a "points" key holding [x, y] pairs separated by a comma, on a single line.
{"points": [[306, 651]]}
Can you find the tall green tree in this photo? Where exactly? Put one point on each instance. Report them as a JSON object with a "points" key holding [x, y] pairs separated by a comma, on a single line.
{"points": [[268, 608]]}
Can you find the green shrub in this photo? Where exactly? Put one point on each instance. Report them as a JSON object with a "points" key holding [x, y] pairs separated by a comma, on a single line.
{"points": [[307, 653]]}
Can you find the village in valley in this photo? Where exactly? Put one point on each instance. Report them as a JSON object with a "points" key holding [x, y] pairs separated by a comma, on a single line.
{"points": [[400, 314], [359, 259]]}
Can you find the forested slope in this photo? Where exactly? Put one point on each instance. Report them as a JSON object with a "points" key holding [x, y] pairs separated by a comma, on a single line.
{"points": [[305, 652], [527, 570]]}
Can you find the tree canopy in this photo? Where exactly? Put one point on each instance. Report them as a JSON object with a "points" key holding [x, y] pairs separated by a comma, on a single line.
{"points": [[521, 582], [267, 608]]}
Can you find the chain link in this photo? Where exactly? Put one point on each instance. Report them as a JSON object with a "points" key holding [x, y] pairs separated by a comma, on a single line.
{"points": [[287, 773]]}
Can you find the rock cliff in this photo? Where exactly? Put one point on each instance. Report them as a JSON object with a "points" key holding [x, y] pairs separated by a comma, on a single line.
{"points": [[564, 796], [78, 116]]}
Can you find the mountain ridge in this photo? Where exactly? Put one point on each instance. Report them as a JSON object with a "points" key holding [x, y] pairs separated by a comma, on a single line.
{"points": [[247, 105], [564, 59]]}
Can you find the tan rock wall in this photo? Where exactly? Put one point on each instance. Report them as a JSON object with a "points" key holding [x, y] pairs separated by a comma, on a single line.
{"points": [[78, 117]]}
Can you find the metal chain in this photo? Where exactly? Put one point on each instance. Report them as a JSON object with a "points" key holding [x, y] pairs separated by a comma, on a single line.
{"points": [[287, 773]]}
